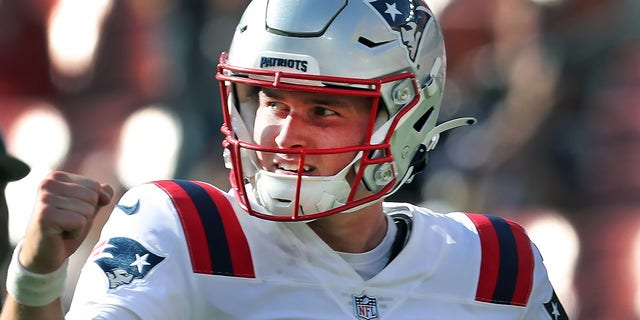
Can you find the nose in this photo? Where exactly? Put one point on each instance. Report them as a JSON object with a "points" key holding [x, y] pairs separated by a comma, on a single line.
{"points": [[293, 132]]}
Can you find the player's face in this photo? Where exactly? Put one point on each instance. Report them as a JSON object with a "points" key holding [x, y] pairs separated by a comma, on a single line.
{"points": [[288, 119]]}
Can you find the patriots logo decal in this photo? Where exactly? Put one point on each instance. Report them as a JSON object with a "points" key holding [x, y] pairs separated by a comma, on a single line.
{"points": [[410, 18], [124, 260]]}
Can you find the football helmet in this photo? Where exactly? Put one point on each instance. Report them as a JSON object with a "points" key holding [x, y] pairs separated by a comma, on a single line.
{"points": [[389, 50]]}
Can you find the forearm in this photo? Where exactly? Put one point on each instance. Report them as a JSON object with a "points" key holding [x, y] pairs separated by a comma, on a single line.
{"points": [[63, 215], [32, 295], [13, 310]]}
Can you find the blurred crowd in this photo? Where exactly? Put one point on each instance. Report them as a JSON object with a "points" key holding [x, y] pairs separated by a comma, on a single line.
{"points": [[555, 85]]}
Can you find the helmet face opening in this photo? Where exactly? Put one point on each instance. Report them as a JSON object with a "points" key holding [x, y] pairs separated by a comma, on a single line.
{"points": [[291, 182], [393, 59]]}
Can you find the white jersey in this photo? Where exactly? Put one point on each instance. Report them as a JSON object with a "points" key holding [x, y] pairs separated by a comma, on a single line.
{"points": [[185, 250]]}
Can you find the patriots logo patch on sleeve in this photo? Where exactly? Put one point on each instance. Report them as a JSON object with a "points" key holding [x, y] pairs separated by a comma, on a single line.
{"points": [[124, 260]]}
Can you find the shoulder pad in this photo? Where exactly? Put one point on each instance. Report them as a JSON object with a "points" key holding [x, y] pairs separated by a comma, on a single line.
{"points": [[217, 244], [506, 268]]}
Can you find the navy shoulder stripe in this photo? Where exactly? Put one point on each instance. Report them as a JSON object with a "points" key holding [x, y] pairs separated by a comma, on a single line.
{"points": [[217, 244], [506, 268]]}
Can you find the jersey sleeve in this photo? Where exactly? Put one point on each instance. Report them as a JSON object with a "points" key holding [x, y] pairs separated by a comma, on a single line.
{"points": [[512, 271], [543, 302], [139, 263]]}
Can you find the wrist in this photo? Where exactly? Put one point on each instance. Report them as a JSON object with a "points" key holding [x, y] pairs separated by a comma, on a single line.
{"points": [[34, 289]]}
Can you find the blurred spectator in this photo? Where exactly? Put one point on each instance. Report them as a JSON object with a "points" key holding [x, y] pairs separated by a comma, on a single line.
{"points": [[555, 87], [11, 169], [606, 155], [553, 83], [24, 66]]}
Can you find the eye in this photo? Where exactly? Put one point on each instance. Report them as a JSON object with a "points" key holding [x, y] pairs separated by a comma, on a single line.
{"points": [[275, 107], [323, 112]]}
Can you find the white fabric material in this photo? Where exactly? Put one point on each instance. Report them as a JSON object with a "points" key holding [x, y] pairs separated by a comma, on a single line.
{"points": [[297, 275]]}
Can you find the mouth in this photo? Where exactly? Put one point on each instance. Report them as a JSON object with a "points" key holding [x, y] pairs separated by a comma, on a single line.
{"points": [[291, 168]]}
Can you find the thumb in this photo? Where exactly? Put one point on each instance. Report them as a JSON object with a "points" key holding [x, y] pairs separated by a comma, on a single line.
{"points": [[106, 195]]}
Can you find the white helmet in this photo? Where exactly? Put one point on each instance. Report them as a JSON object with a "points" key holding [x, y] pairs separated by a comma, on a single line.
{"points": [[391, 50]]}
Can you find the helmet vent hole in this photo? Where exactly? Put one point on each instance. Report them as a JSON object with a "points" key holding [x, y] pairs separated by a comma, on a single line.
{"points": [[370, 43], [423, 120]]}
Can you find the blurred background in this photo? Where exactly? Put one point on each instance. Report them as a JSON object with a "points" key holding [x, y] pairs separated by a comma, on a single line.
{"points": [[124, 91]]}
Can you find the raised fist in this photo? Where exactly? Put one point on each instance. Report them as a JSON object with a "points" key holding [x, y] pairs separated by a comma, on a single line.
{"points": [[63, 214]]}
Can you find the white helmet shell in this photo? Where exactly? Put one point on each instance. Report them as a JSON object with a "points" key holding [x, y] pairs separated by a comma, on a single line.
{"points": [[393, 50]]}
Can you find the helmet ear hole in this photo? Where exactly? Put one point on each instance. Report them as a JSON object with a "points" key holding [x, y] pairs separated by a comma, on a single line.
{"points": [[419, 124]]}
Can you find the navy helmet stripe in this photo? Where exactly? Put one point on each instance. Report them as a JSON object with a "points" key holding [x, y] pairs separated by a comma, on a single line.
{"points": [[212, 223]]}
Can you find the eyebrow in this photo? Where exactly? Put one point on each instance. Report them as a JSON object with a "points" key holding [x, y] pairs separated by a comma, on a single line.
{"points": [[328, 100]]}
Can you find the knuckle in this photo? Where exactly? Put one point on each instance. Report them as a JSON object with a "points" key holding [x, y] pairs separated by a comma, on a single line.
{"points": [[87, 209], [57, 175], [48, 198], [53, 180], [47, 183]]}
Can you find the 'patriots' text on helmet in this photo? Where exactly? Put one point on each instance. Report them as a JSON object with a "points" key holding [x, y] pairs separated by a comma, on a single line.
{"points": [[391, 51]]}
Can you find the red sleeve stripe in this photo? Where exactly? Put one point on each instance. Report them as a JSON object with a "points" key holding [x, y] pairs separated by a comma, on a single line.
{"points": [[217, 245], [191, 225], [524, 284], [506, 268]]}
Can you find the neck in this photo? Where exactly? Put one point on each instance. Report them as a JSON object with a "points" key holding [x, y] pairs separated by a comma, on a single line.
{"points": [[353, 232]]}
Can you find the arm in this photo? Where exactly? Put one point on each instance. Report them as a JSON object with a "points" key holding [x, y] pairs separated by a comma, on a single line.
{"points": [[114, 284], [63, 214]]}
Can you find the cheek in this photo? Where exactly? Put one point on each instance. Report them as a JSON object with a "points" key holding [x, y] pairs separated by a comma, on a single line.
{"points": [[352, 136], [260, 137], [258, 133], [355, 134], [263, 131], [264, 134]]}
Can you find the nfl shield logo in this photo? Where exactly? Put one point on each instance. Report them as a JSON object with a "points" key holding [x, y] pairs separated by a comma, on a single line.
{"points": [[365, 307]]}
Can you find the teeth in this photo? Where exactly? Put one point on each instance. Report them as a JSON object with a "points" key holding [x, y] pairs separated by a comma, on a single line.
{"points": [[292, 167]]}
